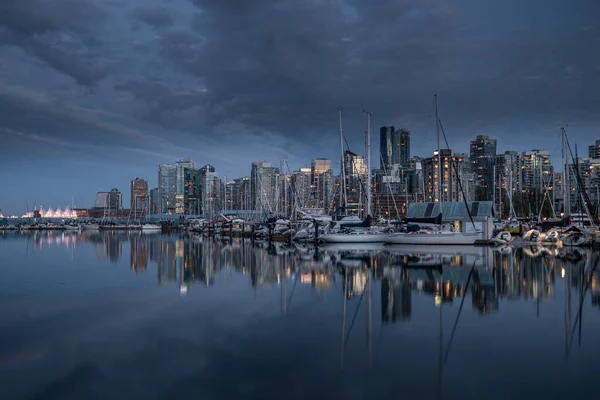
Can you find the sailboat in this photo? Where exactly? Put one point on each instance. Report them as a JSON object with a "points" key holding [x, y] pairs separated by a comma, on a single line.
{"points": [[435, 237], [351, 229]]}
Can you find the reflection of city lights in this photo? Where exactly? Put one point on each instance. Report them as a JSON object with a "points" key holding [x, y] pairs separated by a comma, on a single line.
{"points": [[438, 300], [562, 272]]}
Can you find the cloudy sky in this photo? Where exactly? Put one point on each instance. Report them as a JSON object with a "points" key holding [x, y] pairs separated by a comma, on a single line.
{"points": [[96, 92]]}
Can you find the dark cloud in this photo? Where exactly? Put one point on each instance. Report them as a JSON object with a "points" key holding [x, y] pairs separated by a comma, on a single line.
{"points": [[268, 76], [156, 16], [61, 33]]}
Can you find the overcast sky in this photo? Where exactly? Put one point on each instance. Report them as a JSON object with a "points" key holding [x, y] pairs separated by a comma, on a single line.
{"points": [[95, 93]]}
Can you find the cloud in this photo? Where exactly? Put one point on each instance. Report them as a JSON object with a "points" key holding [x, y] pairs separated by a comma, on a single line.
{"points": [[154, 15], [62, 33]]}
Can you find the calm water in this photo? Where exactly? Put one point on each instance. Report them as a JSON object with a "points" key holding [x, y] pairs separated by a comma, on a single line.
{"points": [[123, 316]]}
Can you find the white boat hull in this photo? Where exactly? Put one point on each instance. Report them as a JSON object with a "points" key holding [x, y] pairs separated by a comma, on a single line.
{"points": [[438, 238], [151, 227]]}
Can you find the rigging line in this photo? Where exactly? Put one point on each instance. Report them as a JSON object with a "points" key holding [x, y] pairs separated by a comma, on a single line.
{"points": [[457, 177], [386, 174], [580, 186], [462, 302], [356, 312], [587, 285], [292, 294]]}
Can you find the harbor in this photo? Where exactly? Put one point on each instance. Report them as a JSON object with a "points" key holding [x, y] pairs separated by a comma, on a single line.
{"points": [[352, 315]]}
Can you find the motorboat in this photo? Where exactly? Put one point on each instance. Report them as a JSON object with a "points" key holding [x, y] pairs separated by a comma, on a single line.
{"points": [[552, 238], [532, 236], [501, 239], [577, 239]]}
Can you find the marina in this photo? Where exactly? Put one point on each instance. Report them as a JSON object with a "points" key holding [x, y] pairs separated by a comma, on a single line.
{"points": [[346, 318]]}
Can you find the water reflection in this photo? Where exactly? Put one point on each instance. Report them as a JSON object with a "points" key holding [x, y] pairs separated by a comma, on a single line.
{"points": [[434, 301], [495, 275]]}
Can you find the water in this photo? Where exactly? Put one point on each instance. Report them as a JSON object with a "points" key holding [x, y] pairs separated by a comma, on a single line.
{"points": [[123, 316]]}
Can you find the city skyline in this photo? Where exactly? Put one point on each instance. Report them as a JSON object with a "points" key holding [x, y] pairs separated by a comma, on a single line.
{"points": [[111, 90], [177, 201]]}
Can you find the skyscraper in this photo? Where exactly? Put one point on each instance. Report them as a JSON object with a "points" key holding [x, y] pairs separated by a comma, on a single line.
{"points": [[594, 150], [386, 146], [451, 168], [181, 167], [192, 200], [154, 203], [394, 146], [263, 185], [354, 164], [536, 170], [483, 156], [167, 188], [210, 191], [322, 183], [139, 196], [508, 172]]}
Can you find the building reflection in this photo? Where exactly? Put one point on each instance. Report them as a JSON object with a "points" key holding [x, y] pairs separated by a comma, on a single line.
{"points": [[447, 275]]}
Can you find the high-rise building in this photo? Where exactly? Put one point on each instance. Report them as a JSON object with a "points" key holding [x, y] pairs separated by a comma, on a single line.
{"points": [[239, 194], [589, 174], [181, 167], [508, 173], [322, 183], [594, 150], [192, 201], [536, 170], [404, 147], [394, 146], [448, 187], [482, 157], [139, 196], [210, 191], [111, 201], [354, 164], [264, 186], [101, 200], [154, 201], [167, 188], [300, 187]]}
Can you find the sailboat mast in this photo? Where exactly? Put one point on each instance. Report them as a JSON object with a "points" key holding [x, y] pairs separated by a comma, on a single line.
{"points": [[343, 180], [439, 171], [368, 150], [565, 176]]}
